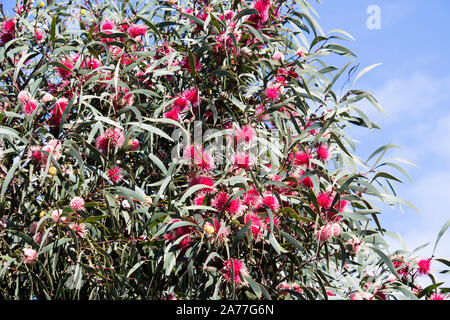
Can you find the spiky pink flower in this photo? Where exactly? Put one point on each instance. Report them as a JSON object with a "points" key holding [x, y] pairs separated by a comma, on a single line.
{"points": [[180, 103], [302, 158], [238, 268], [79, 229], [273, 92], [220, 200], [193, 96], [24, 96], [91, 63], [108, 25], [115, 174], [243, 161], [9, 26], [335, 229], [173, 114], [323, 152], [77, 203], [438, 296], [271, 202], [257, 225], [203, 180], [137, 30], [245, 134], [277, 56], [325, 200], [424, 266], [199, 158], [57, 218], [324, 233], [29, 106], [30, 255], [113, 138], [66, 73]]}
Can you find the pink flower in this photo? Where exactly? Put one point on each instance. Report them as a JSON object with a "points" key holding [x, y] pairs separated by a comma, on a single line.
{"points": [[325, 233], [273, 92], [77, 203], [243, 161], [203, 180], [335, 229], [277, 56], [9, 26], [400, 265], [356, 296], [180, 103], [192, 95], [38, 35], [424, 266], [245, 134], [30, 255], [199, 158], [79, 229], [113, 138], [134, 144], [325, 200], [173, 114], [91, 63], [47, 97], [24, 96], [238, 268], [270, 202], [115, 174], [108, 25], [56, 216], [63, 72], [30, 106], [323, 152], [136, 30], [58, 111], [438, 296], [302, 158], [257, 226]]}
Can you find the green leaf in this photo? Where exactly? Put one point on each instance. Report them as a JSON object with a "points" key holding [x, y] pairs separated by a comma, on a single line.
{"points": [[440, 234]]}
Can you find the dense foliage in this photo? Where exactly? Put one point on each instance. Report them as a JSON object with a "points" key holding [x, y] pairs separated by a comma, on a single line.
{"points": [[189, 150]]}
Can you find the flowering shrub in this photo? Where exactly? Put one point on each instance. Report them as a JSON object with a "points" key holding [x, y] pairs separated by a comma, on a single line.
{"points": [[189, 150]]}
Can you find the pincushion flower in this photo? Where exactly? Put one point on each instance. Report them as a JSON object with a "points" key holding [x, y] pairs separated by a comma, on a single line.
{"points": [[136, 30], [424, 266], [77, 203], [197, 157], [325, 232], [30, 255], [29, 106], [79, 229], [237, 267], [243, 160], [323, 152], [269, 201], [113, 138], [24, 96], [173, 114], [274, 91], [246, 134], [257, 225], [115, 174], [134, 144]]}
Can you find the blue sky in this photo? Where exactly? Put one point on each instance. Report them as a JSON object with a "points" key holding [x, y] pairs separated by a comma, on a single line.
{"points": [[413, 85]]}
